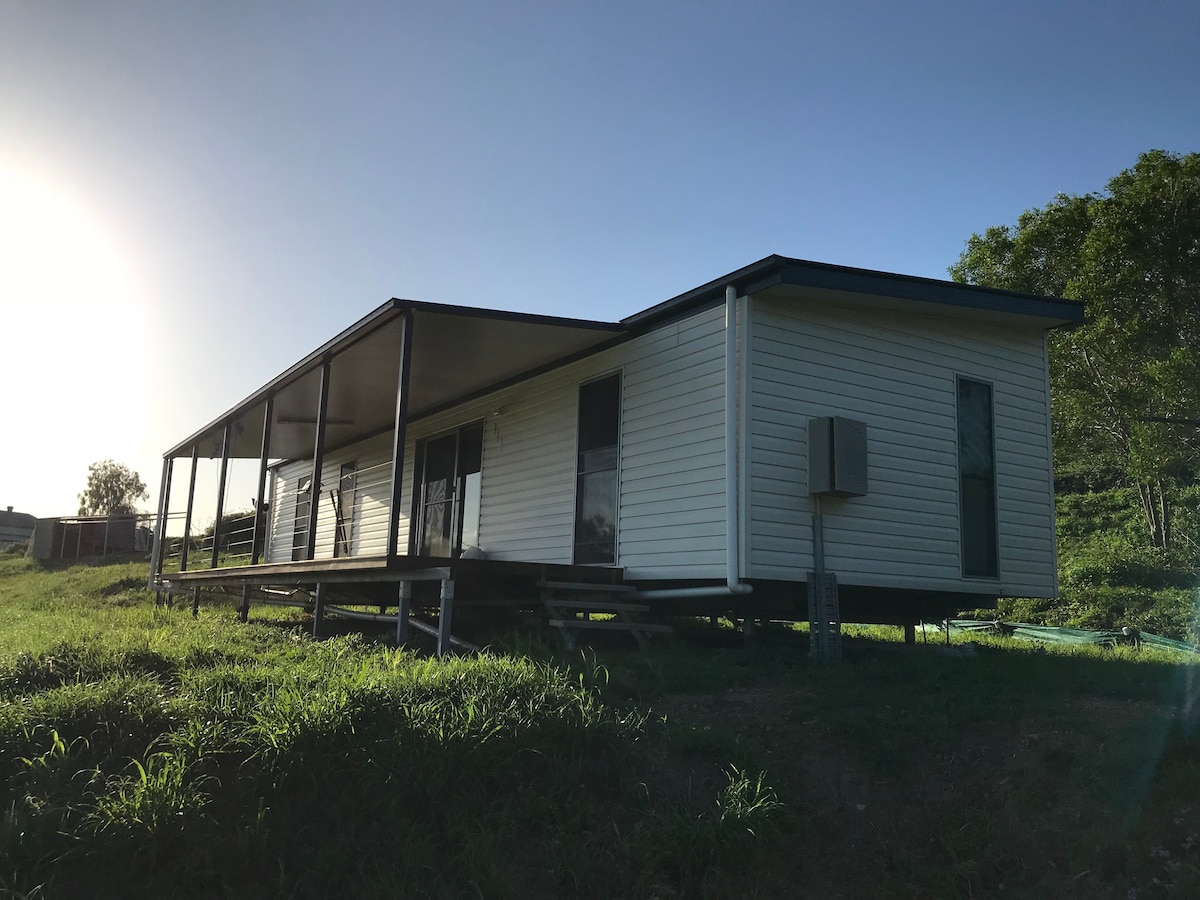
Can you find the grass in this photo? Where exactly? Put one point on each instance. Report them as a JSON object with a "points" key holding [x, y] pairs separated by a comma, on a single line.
{"points": [[147, 753]]}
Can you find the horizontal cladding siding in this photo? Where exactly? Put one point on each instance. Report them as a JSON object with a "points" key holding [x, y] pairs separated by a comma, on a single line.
{"points": [[672, 513], [896, 373], [368, 515]]}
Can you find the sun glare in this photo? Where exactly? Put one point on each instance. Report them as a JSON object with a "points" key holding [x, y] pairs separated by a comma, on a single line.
{"points": [[71, 325]]}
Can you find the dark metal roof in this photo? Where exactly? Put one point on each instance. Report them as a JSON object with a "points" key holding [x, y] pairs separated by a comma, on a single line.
{"points": [[457, 351], [462, 351], [827, 279]]}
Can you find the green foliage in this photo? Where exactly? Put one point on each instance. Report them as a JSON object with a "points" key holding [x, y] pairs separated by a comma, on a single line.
{"points": [[1133, 254], [1111, 576], [112, 489]]}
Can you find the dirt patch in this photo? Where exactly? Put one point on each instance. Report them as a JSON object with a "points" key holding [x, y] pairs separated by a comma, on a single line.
{"points": [[1026, 804]]}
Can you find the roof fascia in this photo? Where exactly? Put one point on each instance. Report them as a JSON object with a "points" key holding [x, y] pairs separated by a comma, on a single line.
{"points": [[503, 315], [801, 273], [778, 270], [748, 279]]}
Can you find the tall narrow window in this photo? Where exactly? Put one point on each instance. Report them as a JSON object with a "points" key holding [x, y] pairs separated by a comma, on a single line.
{"points": [[977, 480], [300, 523], [596, 471]]}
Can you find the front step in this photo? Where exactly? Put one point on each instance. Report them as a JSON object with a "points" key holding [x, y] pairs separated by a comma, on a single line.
{"points": [[591, 597], [587, 587]]}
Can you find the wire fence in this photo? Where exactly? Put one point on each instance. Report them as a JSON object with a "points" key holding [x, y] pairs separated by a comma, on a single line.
{"points": [[353, 508], [80, 537], [352, 516]]}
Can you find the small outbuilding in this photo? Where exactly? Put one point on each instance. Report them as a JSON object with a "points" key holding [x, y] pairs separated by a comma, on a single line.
{"points": [[15, 527], [83, 537]]}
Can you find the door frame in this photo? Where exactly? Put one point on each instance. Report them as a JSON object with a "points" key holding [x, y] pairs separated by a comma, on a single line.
{"points": [[418, 506]]}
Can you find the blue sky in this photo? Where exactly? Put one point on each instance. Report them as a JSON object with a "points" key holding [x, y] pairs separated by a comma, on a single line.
{"points": [[195, 195]]}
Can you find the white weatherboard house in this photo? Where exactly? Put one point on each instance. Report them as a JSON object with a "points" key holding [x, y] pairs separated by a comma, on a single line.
{"points": [[667, 454]]}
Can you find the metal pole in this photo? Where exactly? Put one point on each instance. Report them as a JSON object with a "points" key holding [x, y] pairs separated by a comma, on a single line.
{"points": [[319, 610], [256, 545], [403, 606], [160, 527], [187, 518], [399, 433], [817, 626], [444, 617], [244, 611], [220, 496], [314, 505]]}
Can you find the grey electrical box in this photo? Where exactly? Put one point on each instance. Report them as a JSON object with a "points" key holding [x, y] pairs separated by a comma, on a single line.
{"points": [[837, 456]]}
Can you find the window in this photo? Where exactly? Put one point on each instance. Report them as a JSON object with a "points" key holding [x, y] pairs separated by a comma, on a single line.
{"points": [[300, 523], [596, 471], [977, 480]]}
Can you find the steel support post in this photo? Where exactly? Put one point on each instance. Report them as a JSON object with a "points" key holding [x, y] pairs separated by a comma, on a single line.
{"points": [[319, 610], [404, 599], [216, 547], [399, 433], [195, 602], [314, 506], [444, 616], [187, 518], [260, 524], [160, 526], [244, 609]]}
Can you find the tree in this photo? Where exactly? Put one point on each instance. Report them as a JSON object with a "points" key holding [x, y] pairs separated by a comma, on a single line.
{"points": [[111, 489], [1121, 382]]}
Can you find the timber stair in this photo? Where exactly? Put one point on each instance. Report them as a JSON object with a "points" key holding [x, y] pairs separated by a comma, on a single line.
{"points": [[570, 605]]}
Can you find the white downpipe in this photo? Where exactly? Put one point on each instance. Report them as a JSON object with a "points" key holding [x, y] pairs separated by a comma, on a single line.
{"points": [[733, 581], [733, 578], [746, 372], [684, 593]]}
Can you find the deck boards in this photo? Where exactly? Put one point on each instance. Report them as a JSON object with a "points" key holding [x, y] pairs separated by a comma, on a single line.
{"points": [[483, 581]]}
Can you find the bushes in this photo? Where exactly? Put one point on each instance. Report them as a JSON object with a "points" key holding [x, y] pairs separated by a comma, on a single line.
{"points": [[1109, 574]]}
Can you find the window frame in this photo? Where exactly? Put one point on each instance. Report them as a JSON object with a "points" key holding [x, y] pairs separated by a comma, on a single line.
{"points": [[993, 573], [458, 482], [618, 375]]}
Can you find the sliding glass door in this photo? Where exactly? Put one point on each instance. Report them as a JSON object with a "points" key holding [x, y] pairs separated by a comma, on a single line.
{"points": [[448, 492]]}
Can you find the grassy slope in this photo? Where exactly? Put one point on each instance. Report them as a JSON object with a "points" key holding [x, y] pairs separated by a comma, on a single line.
{"points": [[144, 753]]}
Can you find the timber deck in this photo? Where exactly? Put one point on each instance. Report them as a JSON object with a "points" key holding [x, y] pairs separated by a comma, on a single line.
{"points": [[485, 582]]}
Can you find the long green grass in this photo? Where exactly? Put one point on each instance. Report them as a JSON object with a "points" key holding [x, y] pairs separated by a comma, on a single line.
{"points": [[147, 753]]}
